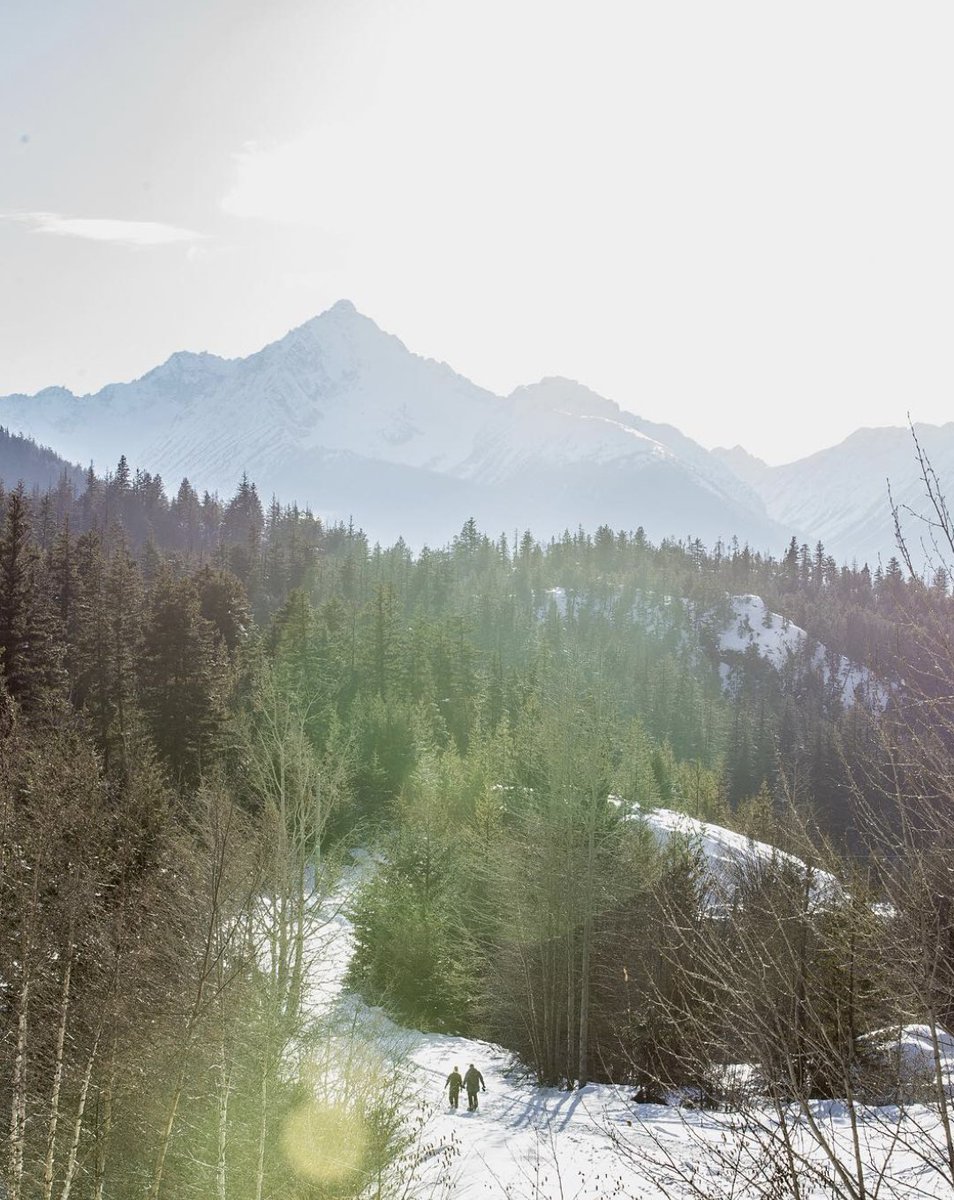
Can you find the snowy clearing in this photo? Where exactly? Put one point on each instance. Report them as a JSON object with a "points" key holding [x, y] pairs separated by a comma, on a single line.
{"points": [[531, 1142]]}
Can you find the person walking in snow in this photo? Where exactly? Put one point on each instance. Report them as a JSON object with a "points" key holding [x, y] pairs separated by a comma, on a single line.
{"points": [[454, 1084], [472, 1080]]}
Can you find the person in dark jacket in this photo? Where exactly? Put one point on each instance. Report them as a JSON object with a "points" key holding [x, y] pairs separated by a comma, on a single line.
{"points": [[472, 1080], [454, 1084]]}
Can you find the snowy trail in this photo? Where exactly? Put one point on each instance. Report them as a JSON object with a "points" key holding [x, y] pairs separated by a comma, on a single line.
{"points": [[522, 1141], [529, 1142]]}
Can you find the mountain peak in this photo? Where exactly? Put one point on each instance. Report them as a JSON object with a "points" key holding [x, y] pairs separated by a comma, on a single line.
{"points": [[566, 395], [343, 314], [341, 339], [342, 319], [339, 414], [747, 466]]}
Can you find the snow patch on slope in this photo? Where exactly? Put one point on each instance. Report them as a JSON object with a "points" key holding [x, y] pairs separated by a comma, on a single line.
{"points": [[727, 854], [778, 641], [751, 626]]}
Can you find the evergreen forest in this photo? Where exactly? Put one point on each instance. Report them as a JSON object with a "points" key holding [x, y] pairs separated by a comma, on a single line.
{"points": [[207, 704]]}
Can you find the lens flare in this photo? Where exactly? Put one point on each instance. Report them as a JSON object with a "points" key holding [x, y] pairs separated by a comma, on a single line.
{"points": [[324, 1143]]}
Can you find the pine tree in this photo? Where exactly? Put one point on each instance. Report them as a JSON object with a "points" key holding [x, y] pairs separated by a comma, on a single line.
{"points": [[243, 524], [91, 678], [790, 565], [181, 679], [187, 518], [30, 652], [65, 595], [124, 616]]}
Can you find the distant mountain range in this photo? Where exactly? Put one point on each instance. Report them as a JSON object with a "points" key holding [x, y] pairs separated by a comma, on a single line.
{"points": [[839, 496], [342, 416]]}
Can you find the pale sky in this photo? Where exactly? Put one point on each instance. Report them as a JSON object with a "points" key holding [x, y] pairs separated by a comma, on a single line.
{"points": [[734, 216]]}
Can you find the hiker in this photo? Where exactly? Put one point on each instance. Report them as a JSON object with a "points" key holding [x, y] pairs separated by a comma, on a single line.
{"points": [[454, 1084], [472, 1080]]}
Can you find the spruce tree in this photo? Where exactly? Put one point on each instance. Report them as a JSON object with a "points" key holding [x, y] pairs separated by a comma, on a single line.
{"points": [[30, 651], [182, 679], [124, 616], [65, 594]]}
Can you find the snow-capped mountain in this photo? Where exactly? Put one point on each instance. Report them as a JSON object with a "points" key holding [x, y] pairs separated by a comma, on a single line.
{"points": [[840, 495], [342, 416]]}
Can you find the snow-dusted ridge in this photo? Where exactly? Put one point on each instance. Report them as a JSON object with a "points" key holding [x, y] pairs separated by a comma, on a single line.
{"points": [[840, 495], [778, 640], [726, 854], [752, 627]]}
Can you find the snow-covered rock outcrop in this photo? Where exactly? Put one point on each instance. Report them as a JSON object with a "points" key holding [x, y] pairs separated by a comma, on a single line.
{"points": [[727, 855]]}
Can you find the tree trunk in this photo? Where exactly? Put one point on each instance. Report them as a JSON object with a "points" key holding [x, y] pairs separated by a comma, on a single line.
{"points": [[104, 1127], [570, 1005], [57, 1075], [212, 934], [225, 1084], [70, 1172], [18, 1101], [584, 1067], [262, 1132], [940, 1078]]}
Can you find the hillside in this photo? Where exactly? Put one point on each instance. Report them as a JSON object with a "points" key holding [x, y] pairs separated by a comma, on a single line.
{"points": [[547, 1143], [23, 461], [195, 695]]}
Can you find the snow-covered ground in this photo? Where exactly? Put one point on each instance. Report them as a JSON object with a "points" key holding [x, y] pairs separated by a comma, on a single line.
{"points": [[531, 1143], [777, 640], [725, 851]]}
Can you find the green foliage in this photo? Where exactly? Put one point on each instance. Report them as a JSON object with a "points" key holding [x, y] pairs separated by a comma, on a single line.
{"points": [[182, 679], [413, 950], [220, 695], [30, 651]]}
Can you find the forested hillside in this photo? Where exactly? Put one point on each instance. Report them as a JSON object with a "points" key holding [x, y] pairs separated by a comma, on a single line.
{"points": [[23, 461], [200, 695]]}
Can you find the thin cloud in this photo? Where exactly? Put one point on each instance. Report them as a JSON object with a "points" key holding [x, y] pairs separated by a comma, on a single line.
{"points": [[108, 229]]}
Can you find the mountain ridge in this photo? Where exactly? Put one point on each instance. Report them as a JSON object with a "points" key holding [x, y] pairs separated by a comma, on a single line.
{"points": [[840, 495], [22, 460], [341, 415]]}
